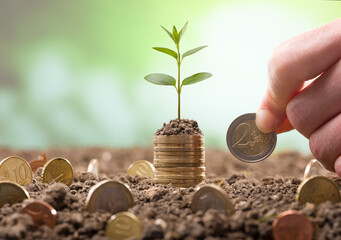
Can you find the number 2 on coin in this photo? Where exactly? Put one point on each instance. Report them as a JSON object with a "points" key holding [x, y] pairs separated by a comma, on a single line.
{"points": [[246, 128]]}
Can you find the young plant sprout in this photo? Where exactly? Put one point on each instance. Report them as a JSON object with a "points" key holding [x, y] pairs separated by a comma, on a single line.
{"points": [[164, 79]]}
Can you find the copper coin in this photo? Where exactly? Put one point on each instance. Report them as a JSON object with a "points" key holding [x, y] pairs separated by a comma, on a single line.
{"points": [[42, 213], [37, 163], [292, 225], [246, 142]]}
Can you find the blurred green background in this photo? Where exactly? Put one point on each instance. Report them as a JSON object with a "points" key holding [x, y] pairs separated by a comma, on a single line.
{"points": [[71, 72]]}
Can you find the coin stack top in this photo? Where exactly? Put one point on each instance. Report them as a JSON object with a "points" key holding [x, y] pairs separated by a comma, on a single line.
{"points": [[179, 159]]}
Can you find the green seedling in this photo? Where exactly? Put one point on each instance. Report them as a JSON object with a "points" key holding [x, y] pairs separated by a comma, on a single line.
{"points": [[164, 79]]}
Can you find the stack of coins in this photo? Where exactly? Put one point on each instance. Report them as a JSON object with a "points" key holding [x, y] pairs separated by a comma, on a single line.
{"points": [[179, 159]]}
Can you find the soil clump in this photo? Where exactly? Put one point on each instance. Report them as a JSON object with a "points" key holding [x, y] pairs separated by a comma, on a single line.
{"points": [[180, 127]]}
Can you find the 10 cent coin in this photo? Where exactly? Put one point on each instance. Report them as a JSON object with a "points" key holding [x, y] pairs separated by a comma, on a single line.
{"points": [[246, 142], [15, 169]]}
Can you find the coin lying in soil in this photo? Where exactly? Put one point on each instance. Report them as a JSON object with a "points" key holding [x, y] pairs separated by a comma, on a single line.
{"points": [[42, 213], [93, 167], [15, 169], [211, 196], [11, 192], [317, 189], [58, 169], [246, 142], [290, 225], [141, 168], [37, 163], [111, 196], [123, 225]]}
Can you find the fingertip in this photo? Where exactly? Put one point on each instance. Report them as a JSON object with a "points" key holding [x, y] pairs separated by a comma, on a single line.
{"points": [[266, 121], [337, 166]]}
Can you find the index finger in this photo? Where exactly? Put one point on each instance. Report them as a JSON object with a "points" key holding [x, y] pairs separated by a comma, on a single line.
{"points": [[293, 62]]}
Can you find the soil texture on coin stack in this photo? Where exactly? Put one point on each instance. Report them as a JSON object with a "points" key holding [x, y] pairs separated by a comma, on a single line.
{"points": [[179, 154]]}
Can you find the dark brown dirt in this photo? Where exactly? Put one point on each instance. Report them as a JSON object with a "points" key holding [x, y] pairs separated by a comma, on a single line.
{"points": [[180, 127], [165, 210]]}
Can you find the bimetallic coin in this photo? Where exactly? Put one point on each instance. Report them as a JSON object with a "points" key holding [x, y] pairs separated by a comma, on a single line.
{"points": [[111, 196], [15, 169], [123, 225], [290, 225], [93, 167], [58, 169], [42, 213], [314, 167], [141, 168], [317, 189], [211, 196], [11, 192], [37, 163], [246, 142]]}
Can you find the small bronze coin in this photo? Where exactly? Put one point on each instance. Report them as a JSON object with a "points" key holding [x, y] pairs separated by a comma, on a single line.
{"points": [[93, 167], [211, 196], [292, 225], [141, 168], [11, 192], [37, 163], [246, 142], [123, 225], [15, 169], [42, 213], [317, 189], [58, 169], [111, 196]]}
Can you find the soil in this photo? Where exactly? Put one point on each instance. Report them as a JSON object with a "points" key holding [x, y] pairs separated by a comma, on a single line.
{"points": [[259, 192], [180, 127]]}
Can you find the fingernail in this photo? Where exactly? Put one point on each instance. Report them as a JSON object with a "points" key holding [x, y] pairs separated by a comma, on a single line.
{"points": [[263, 118]]}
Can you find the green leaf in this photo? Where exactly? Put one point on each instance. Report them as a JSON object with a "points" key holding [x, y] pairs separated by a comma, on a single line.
{"points": [[198, 77], [160, 79], [167, 51], [192, 51], [175, 35], [183, 30], [168, 32]]}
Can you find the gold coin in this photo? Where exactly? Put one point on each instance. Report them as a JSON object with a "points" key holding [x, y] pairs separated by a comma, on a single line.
{"points": [[11, 192], [184, 159], [317, 189], [168, 165], [179, 149], [182, 169], [93, 167], [211, 196], [181, 177], [111, 196], [15, 169], [179, 145], [162, 173], [178, 153], [178, 139], [167, 181], [141, 168], [58, 169], [314, 167], [123, 225]]}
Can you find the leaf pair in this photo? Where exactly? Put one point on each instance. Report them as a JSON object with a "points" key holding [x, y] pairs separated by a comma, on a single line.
{"points": [[176, 36], [164, 79]]}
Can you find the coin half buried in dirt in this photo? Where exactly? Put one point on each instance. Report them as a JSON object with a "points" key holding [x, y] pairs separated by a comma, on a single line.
{"points": [[111, 196], [291, 225], [15, 169], [141, 168], [11, 193], [211, 196], [123, 225], [42, 213], [93, 167], [37, 163], [317, 189], [246, 142], [58, 169]]}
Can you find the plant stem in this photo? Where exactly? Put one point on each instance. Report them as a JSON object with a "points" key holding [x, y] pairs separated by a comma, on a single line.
{"points": [[179, 86]]}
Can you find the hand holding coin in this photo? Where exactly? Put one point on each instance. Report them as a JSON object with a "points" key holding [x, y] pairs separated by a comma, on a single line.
{"points": [[246, 142]]}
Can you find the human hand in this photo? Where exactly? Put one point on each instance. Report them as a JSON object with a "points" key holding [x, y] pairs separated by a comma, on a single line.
{"points": [[315, 110]]}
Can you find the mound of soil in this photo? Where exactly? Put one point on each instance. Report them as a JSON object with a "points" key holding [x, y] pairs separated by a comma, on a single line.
{"points": [[180, 127], [165, 210]]}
